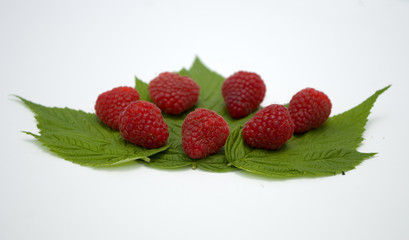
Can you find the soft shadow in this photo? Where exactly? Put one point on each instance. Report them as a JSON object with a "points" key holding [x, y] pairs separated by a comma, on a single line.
{"points": [[181, 169], [255, 176], [122, 167], [373, 120], [37, 143], [15, 99]]}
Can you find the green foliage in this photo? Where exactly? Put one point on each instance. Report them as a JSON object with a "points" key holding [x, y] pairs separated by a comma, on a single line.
{"points": [[142, 89], [328, 150], [80, 138], [211, 98], [331, 149]]}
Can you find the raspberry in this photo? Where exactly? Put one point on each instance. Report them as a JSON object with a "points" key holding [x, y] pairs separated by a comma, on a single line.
{"points": [[309, 109], [173, 93], [110, 104], [142, 123], [243, 92], [270, 128], [204, 132]]}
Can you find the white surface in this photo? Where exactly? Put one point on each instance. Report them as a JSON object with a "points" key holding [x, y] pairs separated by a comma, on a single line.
{"points": [[66, 53]]}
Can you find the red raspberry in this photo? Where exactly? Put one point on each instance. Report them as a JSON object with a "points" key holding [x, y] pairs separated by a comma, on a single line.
{"points": [[173, 93], [243, 92], [111, 103], [269, 128], [204, 132], [309, 109], [142, 123]]}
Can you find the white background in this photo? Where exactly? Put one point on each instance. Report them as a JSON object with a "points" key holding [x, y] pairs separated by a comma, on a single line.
{"points": [[64, 53]]}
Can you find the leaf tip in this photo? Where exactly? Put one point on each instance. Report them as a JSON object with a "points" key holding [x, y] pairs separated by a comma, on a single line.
{"points": [[20, 98], [372, 154], [383, 89], [197, 59], [198, 63], [31, 134]]}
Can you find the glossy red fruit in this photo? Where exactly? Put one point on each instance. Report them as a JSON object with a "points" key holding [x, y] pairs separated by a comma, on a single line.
{"points": [[270, 128], [243, 93], [110, 104], [309, 108], [142, 123], [173, 93], [204, 132]]}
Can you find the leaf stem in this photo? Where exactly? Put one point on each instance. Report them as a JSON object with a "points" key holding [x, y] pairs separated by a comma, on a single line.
{"points": [[146, 159], [194, 165]]}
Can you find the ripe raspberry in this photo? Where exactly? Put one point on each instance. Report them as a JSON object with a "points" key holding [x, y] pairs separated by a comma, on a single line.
{"points": [[111, 103], [173, 93], [204, 132], [243, 92], [269, 128], [309, 109], [142, 123]]}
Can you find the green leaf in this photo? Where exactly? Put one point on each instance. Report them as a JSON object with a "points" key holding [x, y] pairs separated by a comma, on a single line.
{"points": [[210, 98], [328, 150], [211, 92], [79, 137], [142, 89]]}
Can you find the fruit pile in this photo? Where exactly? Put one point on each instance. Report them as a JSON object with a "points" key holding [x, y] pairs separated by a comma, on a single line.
{"points": [[205, 132]]}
